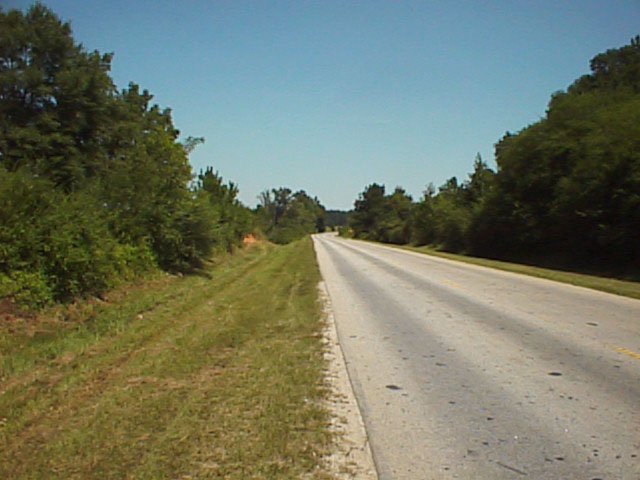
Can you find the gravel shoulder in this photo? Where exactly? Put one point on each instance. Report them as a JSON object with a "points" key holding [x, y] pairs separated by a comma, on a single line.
{"points": [[351, 457]]}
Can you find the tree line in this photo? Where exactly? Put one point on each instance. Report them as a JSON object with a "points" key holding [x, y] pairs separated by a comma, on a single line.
{"points": [[284, 216], [566, 190], [95, 185]]}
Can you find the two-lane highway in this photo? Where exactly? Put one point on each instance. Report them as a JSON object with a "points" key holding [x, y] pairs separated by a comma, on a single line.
{"points": [[472, 373]]}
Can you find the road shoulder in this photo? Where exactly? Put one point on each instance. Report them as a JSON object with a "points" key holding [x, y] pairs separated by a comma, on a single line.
{"points": [[351, 457]]}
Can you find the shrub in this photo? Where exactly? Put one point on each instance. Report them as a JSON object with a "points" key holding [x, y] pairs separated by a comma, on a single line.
{"points": [[26, 289], [58, 245]]}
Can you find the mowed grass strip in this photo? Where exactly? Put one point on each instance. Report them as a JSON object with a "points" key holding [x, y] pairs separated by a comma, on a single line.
{"points": [[624, 288], [210, 376]]}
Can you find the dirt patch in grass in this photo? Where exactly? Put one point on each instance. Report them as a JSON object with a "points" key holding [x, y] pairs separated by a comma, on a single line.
{"points": [[249, 240]]}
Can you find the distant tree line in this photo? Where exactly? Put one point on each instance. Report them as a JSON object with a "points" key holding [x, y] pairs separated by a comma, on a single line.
{"points": [[94, 185], [337, 218], [567, 188], [284, 216]]}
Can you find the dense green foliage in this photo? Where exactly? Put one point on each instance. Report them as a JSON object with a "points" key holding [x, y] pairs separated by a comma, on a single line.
{"points": [[382, 217], [567, 188], [94, 184], [336, 218], [444, 219], [285, 216]]}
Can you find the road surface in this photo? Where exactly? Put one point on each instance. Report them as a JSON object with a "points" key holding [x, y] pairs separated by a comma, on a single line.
{"points": [[467, 372]]}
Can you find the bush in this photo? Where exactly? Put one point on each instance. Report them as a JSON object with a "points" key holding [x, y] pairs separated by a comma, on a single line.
{"points": [[344, 231], [26, 290], [94, 184], [58, 245]]}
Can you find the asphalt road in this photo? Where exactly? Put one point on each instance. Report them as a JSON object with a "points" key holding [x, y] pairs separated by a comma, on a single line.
{"points": [[467, 372]]}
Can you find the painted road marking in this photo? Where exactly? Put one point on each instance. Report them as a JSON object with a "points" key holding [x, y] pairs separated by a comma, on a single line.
{"points": [[626, 351]]}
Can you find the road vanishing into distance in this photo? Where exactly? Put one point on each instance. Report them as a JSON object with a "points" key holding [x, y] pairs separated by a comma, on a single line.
{"points": [[468, 372]]}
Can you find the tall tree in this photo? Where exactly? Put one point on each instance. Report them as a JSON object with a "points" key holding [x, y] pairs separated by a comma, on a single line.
{"points": [[55, 98], [111, 180], [370, 209], [567, 185]]}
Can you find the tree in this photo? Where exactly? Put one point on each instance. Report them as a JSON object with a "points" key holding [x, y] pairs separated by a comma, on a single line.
{"points": [[55, 99], [369, 211], [281, 199], [97, 178], [566, 189], [617, 68], [285, 216], [423, 231], [480, 181], [231, 220], [397, 226], [337, 218], [566, 186]]}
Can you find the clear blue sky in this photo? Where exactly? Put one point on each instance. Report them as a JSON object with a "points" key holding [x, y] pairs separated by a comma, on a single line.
{"points": [[330, 96]]}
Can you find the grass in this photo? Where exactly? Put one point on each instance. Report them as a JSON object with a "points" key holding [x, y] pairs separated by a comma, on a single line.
{"points": [[624, 288], [212, 376]]}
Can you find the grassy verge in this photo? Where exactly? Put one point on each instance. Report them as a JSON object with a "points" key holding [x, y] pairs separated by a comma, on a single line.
{"points": [[609, 285], [210, 376]]}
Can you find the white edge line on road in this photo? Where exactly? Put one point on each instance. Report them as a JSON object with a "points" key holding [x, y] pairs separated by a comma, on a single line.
{"points": [[352, 459]]}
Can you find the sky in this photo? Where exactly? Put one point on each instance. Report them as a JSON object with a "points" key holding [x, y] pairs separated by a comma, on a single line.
{"points": [[331, 96]]}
